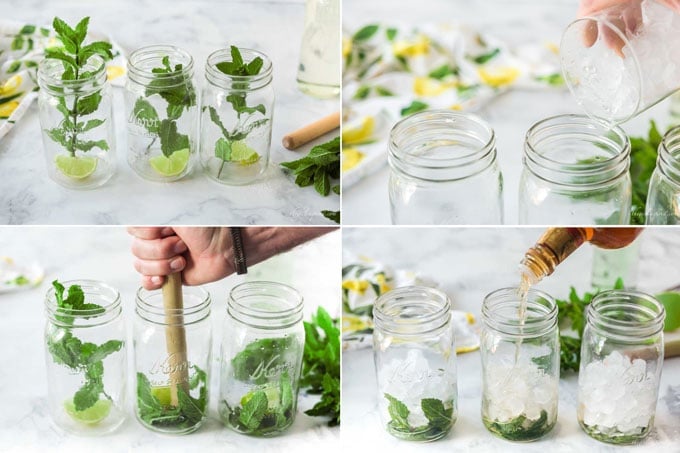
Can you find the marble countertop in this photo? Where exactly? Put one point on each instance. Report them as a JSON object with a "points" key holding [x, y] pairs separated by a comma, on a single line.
{"points": [[103, 254], [510, 115], [468, 264], [28, 196]]}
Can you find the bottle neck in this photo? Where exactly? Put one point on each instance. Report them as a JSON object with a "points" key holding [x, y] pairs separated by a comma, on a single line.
{"points": [[550, 250]]}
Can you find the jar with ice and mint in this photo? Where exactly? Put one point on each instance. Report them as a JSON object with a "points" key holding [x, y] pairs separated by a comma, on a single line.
{"points": [[520, 364], [415, 362], [621, 361]]}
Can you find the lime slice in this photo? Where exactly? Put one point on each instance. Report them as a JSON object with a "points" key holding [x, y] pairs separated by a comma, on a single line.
{"points": [[90, 416], [76, 167], [170, 166], [272, 393], [162, 394], [243, 154]]}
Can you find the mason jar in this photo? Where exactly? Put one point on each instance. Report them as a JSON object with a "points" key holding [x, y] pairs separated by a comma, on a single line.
{"points": [[575, 173], [86, 359], [621, 361], [444, 170], [172, 361], [161, 111], [261, 358], [76, 119], [663, 198], [319, 71], [415, 363], [520, 364], [236, 122]]}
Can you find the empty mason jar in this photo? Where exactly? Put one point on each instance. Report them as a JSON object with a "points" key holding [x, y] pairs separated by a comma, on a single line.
{"points": [[236, 123], [261, 358], [161, 110], [444, 170], [172, 361], [663, 199], [575, 173], [618, 62], [85, 357], [415, 363], [76, 118], [520, 364], [621, 361], [319, 70]]}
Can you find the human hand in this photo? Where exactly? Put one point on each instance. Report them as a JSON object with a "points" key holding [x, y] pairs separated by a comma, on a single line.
{"points": [[201, 254], [625, 17]]}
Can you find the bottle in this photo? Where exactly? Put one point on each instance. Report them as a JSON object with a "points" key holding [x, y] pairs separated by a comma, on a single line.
{"points": [[557, 244]]}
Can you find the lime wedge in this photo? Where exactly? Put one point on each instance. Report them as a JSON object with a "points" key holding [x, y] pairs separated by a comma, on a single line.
{"points": [[272, 393], [170, 166], [76, 167], [162, 394], [90, 416], [243, 154]]}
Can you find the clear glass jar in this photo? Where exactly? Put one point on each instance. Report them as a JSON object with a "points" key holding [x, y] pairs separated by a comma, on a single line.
{"points": [[575, 173], [261, 358], [621, 361], [616, 61], [172, 381], [663, 198], [86, 360], [319, 70], [520, 364], [236, 123], [415, 363], [444, 170], [76, 119], [161, 112]]}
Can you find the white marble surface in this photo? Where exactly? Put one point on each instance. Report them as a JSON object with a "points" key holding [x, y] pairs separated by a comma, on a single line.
{"points": [[510, 115], [470, 263], [103, 254], [28, 196]]}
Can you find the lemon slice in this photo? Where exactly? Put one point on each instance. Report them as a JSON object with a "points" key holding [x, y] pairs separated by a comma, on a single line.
{"points": [[162, 394], [243, 154], [170, 166], [90, 416], [361, 133], [272, 393], [76, 167]]}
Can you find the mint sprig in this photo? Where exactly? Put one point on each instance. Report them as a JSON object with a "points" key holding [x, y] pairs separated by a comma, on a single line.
{"points": [[75, 56], [439, 419], [247, 118], [82, 357]]}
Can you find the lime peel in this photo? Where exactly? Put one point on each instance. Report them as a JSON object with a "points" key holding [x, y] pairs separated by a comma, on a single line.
{"points": [[170, 166]]}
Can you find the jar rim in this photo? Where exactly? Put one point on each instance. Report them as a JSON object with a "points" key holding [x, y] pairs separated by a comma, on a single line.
{"points": [[198, 307], [668, 160], [595, 174], [217, 77], [603, 314], [402, 324], [52, 308], [261, 317], [538, 303], [52, 81], [141, 75], [600, 20]]}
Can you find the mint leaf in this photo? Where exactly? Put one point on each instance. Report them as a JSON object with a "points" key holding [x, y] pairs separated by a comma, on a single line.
{"points": [[171, 139], [88, 104], [87, 395], [91, 124], [223, 149], [145, 114], [286, 389], [253, 411], [331, 215], [437, 415], [398, 412]]}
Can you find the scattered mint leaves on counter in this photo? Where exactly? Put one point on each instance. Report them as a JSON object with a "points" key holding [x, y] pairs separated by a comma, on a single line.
{"points": [[82, 357], [321, 365], [321, 168], [439, 417], [75, 56]]}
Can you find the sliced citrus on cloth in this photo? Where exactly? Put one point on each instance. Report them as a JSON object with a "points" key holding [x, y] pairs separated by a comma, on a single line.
{"points": [[243, 154], [76, 167], [170, 166], [90, 416], [360, 133]]}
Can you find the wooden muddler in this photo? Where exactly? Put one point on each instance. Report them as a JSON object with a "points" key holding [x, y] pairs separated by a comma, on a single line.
{"points": [[175, 335], [311, 131]]}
